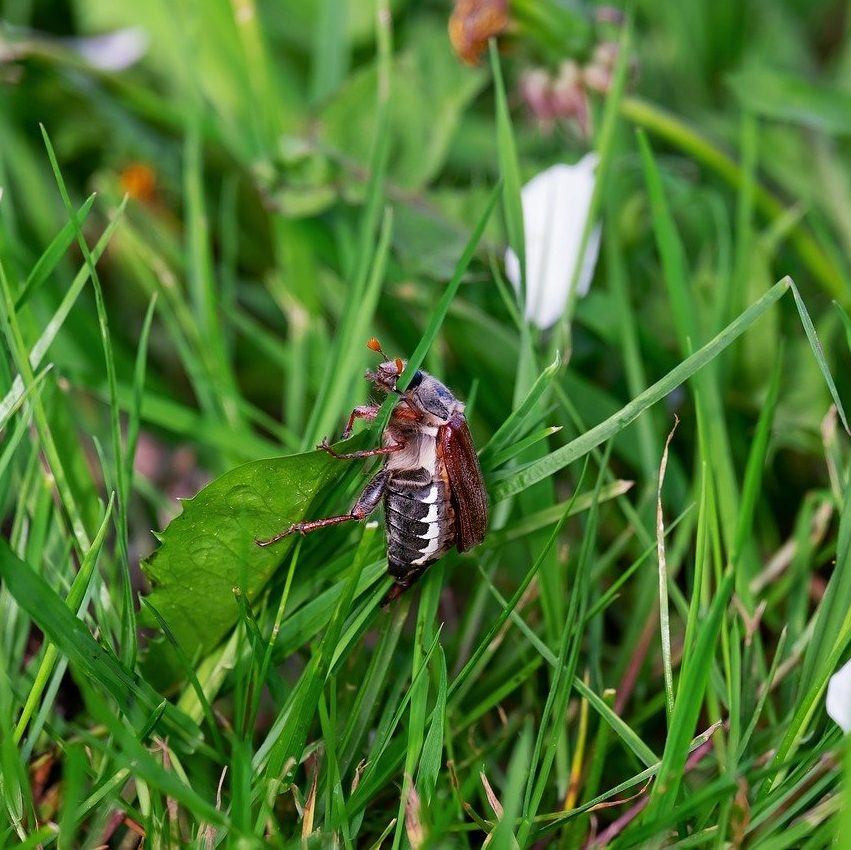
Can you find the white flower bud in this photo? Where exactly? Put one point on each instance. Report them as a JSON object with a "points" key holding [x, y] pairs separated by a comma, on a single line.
{"points": [[556, 205], [839, 697]]}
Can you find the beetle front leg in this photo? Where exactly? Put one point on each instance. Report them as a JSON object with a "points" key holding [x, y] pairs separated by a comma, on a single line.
{"points": [[383, 450], [365, 505], [363, 411]]}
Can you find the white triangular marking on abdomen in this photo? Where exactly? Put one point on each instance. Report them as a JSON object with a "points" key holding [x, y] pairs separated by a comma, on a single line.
{"points": [[430, 549], [432, 532]]}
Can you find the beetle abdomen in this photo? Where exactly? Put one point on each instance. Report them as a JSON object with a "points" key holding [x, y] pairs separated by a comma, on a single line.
{"points": [[420, 522]]}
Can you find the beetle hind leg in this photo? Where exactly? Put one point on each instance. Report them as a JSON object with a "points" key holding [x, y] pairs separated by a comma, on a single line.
{"points": [[405, 577], [365, 505], [306, 527]]}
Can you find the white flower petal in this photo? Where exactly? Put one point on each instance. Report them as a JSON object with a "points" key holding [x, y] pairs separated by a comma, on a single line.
{"points": [[839, 697], [556, 204], [113, 51]]}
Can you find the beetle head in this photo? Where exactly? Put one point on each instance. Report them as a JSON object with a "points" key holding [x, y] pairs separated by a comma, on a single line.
{"points": [[387, 373], [423, 393], [385, 376]]}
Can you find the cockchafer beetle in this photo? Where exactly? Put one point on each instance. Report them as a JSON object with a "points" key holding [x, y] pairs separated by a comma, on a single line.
{"points": [[431, 482]]}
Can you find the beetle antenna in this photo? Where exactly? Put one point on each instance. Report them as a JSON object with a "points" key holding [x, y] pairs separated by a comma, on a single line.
{"points": [[374, 345]]}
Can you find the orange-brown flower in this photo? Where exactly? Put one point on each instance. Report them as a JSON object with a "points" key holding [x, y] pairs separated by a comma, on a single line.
{"points": [[472, 23], [139, 181]]}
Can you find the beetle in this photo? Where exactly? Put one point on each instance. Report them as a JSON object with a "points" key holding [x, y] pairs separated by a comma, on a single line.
{"points": [[430, 482]]}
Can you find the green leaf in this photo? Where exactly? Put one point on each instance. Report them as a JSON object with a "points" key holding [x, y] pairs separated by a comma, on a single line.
{"points": [[209, 549]]}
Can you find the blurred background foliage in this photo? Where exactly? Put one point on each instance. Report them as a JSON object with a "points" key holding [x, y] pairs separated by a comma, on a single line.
{"points": [[256, 121]]}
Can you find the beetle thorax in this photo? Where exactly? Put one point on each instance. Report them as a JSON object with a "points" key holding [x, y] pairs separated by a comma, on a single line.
{"points": [[432, 399]]}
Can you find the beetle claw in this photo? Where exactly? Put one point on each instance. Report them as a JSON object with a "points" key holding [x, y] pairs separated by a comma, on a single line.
{"points": [[271, 540], [325, 446]]}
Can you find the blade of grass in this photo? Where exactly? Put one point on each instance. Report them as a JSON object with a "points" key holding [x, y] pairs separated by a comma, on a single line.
{"points": [[74, 600], [340, 366], [13, 397], [330, 57], [664, 611], [129, 749], [383, 760], [831, 637], [630, 738], [818, 352], [604, 144], [438, 314], [524, 477], [288, 747], [218, 392], [73, 640], [190, 675], [373, 686], [550, 515], [752, 482], [636, 376], [128, 616], [426, 615], [13, 440], [502, 838], [15, 341], [48, 261], [708, 402], [692, 685], [544, 751], [430, 759], [512, 206], [672, 129], [521, 446], [509, 607], [514, 424]]}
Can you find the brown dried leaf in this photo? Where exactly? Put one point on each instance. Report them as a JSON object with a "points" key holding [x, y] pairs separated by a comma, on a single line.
{"points": [[310, 803], [492, 798], [413, 815], [472, 23]]}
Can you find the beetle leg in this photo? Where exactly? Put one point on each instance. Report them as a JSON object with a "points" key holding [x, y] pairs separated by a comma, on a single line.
{"points": [[402, 583], [364, 411], [365, 505], [403, 413], [384, 450]]}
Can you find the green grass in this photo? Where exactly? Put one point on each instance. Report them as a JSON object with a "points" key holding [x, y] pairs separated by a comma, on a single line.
{"points": [[637, 655]]}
